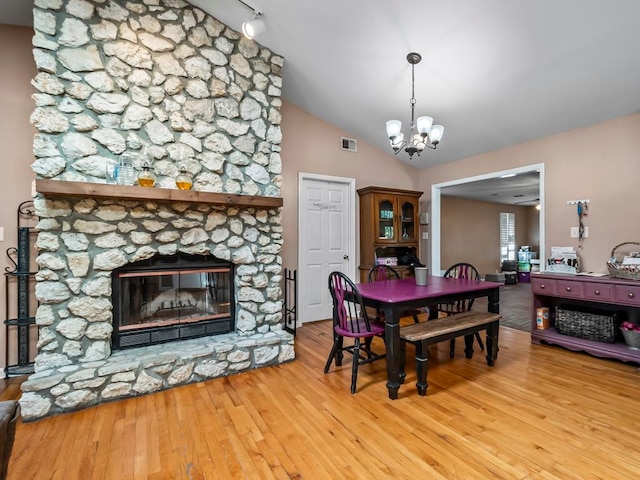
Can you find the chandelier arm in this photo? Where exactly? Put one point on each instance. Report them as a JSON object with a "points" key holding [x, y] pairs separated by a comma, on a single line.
{"points": [[397, 149]]}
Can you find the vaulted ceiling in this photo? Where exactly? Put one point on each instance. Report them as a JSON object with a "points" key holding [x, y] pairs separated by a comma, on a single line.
{"points": [[495, 73]]}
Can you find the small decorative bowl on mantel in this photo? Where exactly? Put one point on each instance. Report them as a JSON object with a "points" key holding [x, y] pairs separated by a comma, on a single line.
{"points": [[631, 334]]}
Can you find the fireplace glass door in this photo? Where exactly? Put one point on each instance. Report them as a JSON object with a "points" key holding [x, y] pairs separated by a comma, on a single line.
{"points": [[163, 305]]}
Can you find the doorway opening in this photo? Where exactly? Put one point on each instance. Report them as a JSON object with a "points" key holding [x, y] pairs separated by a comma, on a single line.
{"points": [[436, 192]]}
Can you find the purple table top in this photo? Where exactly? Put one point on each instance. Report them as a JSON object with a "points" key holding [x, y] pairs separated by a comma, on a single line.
{"points": [[394, 291]]}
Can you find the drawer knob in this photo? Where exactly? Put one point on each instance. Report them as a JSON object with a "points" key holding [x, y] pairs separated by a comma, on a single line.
{"points": [[568, 289], [631, 295], [542, 285], [597, 292]]}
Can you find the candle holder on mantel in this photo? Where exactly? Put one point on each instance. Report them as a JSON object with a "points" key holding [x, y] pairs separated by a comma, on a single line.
{"points": [[184, 181], [146, 178]]}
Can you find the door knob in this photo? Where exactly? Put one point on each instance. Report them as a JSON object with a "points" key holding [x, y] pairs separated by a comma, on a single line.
{"points": [[346, 257]]}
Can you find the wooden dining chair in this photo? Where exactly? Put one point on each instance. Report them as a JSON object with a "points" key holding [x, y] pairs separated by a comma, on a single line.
{"points": [[464, 271], [379, 273], [350, 320]]}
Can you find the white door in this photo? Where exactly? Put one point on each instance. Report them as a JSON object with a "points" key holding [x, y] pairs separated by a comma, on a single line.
{"points": [[326, 240]]}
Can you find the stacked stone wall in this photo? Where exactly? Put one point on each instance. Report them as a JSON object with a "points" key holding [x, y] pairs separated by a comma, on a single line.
{"points": [[163, 78], [119, 76]]}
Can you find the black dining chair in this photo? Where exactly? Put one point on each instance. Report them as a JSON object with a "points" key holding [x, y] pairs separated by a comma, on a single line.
{"points": [[468, 272], [379, 273], [350, 320]]}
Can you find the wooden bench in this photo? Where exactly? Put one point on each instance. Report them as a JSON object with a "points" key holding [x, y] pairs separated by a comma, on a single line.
{"points": [[440, 329]]}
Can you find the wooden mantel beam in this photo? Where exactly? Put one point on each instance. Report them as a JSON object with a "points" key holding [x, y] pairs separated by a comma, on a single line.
{"points": [[60, 188]]}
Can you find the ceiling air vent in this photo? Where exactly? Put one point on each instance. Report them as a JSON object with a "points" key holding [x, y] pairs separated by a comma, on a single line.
{"points": [[349, 144]]}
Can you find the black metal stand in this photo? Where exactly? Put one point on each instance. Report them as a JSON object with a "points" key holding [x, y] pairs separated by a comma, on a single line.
{"points": [[21, 275], [290, 300]]}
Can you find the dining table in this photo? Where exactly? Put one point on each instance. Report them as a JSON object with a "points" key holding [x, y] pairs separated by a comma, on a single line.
{"points": [[393, 297]]}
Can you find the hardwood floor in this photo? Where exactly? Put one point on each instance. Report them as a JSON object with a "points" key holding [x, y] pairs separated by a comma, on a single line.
{"points": [[541, 413]]}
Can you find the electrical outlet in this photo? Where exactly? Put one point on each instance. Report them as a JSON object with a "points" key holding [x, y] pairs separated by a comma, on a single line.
{"points": [[575, 232], [425, 235]]}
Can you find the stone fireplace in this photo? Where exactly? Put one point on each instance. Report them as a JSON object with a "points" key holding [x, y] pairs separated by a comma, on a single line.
{"points": [[116, 76]]}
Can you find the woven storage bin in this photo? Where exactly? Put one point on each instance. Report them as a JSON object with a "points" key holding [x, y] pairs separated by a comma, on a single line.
{"points": [[591, 326], [615, 266]]}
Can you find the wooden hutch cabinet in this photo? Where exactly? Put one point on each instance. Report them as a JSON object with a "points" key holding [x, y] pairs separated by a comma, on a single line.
{"points": [[388, 226]]}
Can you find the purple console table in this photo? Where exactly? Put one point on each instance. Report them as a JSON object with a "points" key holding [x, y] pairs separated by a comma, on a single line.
{"points": [[583, 292], [396, 296]]}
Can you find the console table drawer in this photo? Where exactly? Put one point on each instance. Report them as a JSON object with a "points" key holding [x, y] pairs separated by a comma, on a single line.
{"points": [[569, 288], [628, 294], [543, 286], [598, 292]]}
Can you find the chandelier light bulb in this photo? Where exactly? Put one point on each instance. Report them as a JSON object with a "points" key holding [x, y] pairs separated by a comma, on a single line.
{"points": [[424, 124], [436, 134], [393, 128]]}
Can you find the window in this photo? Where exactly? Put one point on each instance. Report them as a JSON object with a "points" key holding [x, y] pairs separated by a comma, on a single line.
{"points": [[507, 236]]}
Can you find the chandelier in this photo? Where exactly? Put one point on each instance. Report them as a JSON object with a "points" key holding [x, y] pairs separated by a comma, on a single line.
{"points": [[422, 132]]}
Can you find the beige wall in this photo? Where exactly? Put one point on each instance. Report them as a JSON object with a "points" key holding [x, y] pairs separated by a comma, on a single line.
{"points": [[599, 163], [470, 232], [16, 138], [311, 145]]}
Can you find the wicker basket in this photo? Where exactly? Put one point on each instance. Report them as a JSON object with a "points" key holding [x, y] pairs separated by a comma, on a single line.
{"points": [[588, 325], [617, 269]]}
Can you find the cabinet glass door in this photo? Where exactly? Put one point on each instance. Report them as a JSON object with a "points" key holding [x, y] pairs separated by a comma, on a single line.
{"points": [[408, 215], [386, 218]]}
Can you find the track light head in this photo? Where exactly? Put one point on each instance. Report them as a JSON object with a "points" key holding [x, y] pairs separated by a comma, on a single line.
{"points": [[253, 28]]}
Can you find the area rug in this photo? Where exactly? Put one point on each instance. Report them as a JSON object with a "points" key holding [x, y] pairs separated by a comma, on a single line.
{"points": [[516, 306]]}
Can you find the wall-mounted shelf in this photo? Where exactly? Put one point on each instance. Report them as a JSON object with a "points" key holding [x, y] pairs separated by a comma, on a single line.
{"points": [[60, 188]]}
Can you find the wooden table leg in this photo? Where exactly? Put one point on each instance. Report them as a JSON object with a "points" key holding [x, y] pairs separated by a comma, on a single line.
{"points": [[403, 359], [492, 342], [422, 367], [494, 307], [468, 345], [392, 341]]}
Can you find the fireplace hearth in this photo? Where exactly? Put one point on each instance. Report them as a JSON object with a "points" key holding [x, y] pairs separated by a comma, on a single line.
{"points": [[168, 298]]}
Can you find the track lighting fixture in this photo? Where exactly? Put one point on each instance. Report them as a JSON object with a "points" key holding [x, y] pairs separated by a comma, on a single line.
{"points": [[254, 27]]}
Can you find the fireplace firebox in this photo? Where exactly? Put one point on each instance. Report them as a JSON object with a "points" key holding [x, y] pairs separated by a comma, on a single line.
{"points": [[168, 298]]}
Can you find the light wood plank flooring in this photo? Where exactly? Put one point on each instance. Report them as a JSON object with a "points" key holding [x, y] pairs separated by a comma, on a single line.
{"points": [[540, 413]]}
